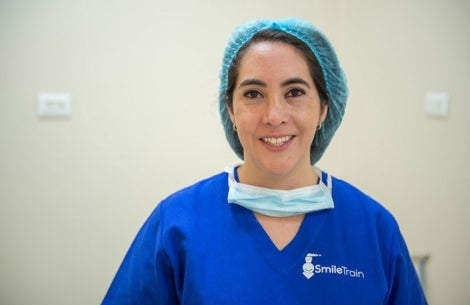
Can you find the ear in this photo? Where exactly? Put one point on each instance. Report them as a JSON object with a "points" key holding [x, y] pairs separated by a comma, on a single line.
{"points": [[230, 113], [323, 111]]}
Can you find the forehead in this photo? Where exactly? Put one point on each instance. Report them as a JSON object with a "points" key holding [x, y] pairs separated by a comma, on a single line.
{"points": [[273, 58]]}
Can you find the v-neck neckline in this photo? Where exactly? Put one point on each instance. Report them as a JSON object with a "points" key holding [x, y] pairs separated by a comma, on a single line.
{"points": [[303, 236], [263, 238], [311, 228], [299, 246], [267, 223]]}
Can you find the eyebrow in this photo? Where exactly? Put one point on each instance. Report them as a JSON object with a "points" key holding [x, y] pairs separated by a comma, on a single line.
{"points": [[252, 81], [257, 82], [296, 80]]}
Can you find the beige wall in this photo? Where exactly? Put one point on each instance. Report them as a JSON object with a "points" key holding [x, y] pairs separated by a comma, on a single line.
{"points": [[143, 81]]}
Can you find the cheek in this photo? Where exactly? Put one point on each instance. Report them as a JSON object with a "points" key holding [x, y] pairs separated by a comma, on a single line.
{"points": [[246, 123], [308, 116], [242, 116]]}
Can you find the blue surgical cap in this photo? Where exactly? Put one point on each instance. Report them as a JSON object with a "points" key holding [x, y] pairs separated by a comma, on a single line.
{"points": [[335, 78]]}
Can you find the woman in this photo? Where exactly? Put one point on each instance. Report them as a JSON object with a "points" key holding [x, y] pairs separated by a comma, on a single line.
{"points": [[274, 230]]}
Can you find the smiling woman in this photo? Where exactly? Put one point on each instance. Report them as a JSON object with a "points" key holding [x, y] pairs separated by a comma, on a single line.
{"points": [[297, 232], [276, 109]]}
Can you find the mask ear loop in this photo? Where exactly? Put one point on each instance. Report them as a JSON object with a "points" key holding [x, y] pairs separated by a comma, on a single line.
{"points": [[319, 172]]}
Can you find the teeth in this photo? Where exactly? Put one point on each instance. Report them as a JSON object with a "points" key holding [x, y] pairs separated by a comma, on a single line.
{"points": [[277, 141]]}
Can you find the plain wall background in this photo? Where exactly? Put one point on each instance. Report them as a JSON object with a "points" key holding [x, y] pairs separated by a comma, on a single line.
{"points": [[143, 76]]}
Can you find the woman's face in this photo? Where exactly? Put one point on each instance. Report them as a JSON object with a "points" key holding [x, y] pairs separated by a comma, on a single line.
{"points": [[276, 110]]}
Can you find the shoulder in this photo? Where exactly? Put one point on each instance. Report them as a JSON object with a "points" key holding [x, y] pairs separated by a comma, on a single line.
{"points": [[201, 196], [365, 220], [357, 205], [217, 183]]}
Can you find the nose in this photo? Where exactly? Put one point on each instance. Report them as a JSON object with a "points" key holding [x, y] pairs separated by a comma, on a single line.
{"points": [[276, 112]]}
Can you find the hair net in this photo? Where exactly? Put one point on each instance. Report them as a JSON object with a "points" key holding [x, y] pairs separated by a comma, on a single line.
{"points": [[335, 79]]}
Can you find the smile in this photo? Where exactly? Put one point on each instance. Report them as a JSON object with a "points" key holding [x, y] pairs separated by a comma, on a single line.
{"points": [[277, 141]]}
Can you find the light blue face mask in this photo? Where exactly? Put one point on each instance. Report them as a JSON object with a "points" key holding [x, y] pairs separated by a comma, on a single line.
{"points": [[280, 203]]}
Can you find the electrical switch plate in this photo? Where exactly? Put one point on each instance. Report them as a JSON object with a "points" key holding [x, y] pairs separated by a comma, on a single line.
{"points": [[54, 104], [437, 103]]}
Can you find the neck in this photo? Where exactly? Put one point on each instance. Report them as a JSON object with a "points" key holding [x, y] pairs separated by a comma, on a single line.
{"points": [[306, 176]]}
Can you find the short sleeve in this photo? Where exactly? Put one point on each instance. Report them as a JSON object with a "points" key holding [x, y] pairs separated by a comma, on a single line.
{"points": [[145, 275], [404, 284]]}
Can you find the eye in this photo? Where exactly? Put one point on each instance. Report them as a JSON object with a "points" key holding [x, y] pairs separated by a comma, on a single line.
{"points": [[295, 92], [252, 94]]}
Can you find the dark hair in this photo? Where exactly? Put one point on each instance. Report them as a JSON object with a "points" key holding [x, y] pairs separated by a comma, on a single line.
{"points": [[278, 36]]}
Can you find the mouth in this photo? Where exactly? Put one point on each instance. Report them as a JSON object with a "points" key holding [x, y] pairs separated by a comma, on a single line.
{"points": [[277, 141]]}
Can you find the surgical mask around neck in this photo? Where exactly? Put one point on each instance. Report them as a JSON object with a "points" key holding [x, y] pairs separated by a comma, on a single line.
{"points": [[280, 203]]}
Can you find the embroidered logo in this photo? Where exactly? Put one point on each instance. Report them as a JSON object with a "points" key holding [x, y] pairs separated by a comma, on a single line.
{"points": [[309, 269], [308, 266]]}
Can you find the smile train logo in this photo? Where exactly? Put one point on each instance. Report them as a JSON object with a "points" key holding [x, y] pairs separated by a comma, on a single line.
{"points": [[310, 269], [308, 266]]}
